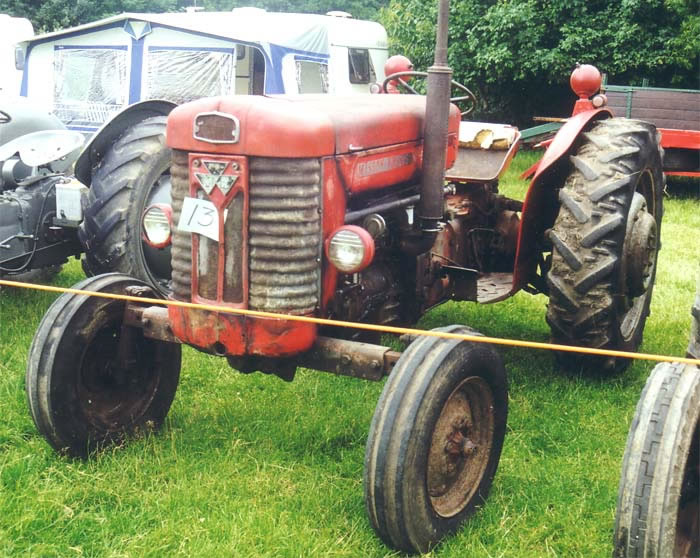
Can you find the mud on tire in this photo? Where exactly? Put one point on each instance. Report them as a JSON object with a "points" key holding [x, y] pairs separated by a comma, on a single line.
{"points": [[435, 440], [605, 241], [82, 394], [133, 175]]}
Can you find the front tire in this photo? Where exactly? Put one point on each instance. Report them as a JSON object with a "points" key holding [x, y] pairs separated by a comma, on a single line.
{"points": [[435, 440], [694, 343], [658, 502], [134, 174], [605, 242], [79, 395]]}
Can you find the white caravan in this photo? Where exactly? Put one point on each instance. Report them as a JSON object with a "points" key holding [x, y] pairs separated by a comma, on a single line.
{"points": [[88, 73]]}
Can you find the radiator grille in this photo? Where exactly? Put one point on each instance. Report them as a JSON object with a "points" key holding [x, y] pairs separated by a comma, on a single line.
{"points": [[284, 235], [181, 253]]}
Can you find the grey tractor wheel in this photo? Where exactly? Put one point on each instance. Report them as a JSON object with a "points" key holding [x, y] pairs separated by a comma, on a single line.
{"points": [[694, 342], [91, 382], [605, 242], [435, 440], [659, 496], [134, 174]]}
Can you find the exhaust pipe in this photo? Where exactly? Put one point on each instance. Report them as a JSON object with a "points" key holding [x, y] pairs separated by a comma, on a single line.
{"points": [[430, 206]]}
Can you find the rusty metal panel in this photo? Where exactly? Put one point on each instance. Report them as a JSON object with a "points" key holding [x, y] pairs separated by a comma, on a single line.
{"points": [[207, 267], [153, 320], [350, 358], [233, 264]]}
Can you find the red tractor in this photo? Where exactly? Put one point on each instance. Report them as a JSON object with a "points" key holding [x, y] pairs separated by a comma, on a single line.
{"points": [[365, 209]]}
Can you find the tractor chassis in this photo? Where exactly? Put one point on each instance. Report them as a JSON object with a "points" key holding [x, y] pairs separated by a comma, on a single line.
{"points": [[337, 356]]}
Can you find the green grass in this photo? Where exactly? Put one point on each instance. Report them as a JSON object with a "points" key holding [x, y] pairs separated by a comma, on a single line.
{"points": [[253, 466]]}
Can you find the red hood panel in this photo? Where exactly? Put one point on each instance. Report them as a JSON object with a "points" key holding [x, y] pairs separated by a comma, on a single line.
{"points": [[306, 125]]}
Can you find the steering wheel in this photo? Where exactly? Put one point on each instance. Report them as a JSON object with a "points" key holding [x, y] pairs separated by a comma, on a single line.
{"points": [[469, 97]]}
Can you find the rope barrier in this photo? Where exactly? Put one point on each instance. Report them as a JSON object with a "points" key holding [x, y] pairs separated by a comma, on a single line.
{"points": [[357, 325]]}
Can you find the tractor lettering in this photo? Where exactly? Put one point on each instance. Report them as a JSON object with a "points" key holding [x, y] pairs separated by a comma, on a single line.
{"points": [[385, 164]]}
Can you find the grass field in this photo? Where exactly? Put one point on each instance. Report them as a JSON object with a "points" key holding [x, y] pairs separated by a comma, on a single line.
{"points": [[247, 465]]}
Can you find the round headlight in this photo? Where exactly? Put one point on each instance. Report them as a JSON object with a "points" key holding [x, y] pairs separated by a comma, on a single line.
{"points": [[350, 249], [157, 225]]}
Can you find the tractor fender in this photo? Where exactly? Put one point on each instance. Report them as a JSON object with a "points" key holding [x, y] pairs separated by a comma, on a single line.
{"points": [[541, 204], [94, 151]]}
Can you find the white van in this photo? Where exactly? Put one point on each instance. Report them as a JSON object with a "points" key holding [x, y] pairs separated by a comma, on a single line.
{"points": [[12, 30]]}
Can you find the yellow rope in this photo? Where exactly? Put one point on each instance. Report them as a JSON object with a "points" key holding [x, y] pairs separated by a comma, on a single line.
{"points": [[356, 325]]}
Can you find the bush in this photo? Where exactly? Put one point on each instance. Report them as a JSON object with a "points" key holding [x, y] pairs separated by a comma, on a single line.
{"points": [[517, 55]]}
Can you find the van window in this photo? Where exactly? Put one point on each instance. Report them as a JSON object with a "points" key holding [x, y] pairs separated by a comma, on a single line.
{"points": [[312, 77], [90, 83], [360, 66], [184, 74]]}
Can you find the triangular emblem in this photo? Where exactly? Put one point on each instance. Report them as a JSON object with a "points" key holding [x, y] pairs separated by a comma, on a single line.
{"points": [[226, 182], [208, 181], [216, 177], [215, 167]]}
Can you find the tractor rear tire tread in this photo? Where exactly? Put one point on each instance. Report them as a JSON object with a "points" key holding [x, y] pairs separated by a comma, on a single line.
{"points": [[589, 233], [111, 230]]}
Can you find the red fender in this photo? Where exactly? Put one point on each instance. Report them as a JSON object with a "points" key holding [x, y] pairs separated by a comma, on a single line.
{"points": [[541, 205]]}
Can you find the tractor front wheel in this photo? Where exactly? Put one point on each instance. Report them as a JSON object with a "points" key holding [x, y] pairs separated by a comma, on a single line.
{"points": [[605, 242], [435, 440], [658, 503], [91, 381]]}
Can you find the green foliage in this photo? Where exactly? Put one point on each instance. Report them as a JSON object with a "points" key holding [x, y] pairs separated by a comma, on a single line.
{"points": [[360, 9], [518, 55], [51, 15]]}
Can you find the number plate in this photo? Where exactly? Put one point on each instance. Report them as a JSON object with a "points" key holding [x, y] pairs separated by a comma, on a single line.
{"points": [[200, 217]]}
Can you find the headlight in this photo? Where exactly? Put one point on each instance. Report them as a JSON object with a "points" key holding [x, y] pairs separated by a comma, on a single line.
{"points": [[156, 224], [350, 249]]}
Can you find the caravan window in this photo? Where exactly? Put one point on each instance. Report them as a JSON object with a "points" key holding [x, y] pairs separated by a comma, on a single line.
{"points": [[360, 66], [312, 77], [90, 83], [183, 74], [250, 71]]}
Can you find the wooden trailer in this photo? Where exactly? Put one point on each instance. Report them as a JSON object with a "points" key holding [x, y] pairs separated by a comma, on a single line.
{"points": [[675, 112]]}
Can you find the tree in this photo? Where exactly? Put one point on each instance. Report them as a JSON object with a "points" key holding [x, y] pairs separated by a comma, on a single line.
{"points": [[51, 15], [360, 9], [517, 54]]}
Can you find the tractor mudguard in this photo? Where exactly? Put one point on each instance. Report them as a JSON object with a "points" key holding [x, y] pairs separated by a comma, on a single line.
{"points": [[112, 129], [540, 207]]}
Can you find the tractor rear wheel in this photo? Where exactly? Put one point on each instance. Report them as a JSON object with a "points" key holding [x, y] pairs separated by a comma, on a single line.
{"points": [[435, 440], [134, 174], [90, 381], [658, 503], [605, 242]]}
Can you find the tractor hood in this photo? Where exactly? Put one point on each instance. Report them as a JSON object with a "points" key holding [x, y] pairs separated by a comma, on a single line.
{"points": [[298, 126]]}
